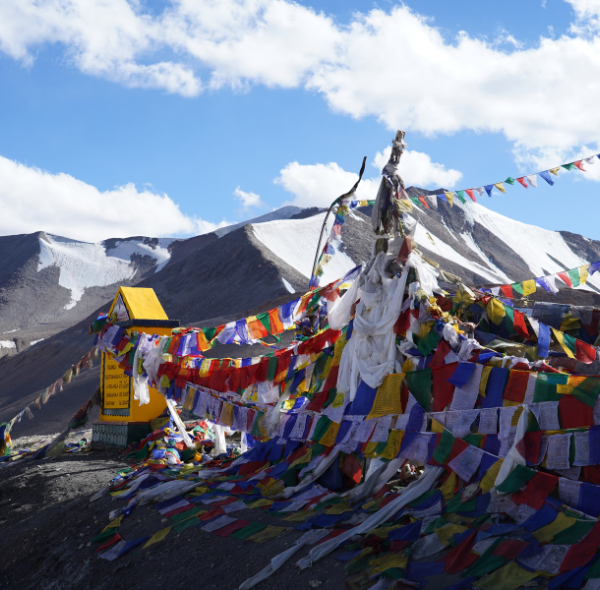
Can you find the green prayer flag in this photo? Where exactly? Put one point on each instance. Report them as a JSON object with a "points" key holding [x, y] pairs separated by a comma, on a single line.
{"points": [[209, 333], [419, 384], [587, 391], [444, 446], [574, 533], [516, 479], [518, 288], [428, 343], [570, 166], [248, 530], [461, 196], [322, 425], [545, 387], [510, 180], [574, 276]]}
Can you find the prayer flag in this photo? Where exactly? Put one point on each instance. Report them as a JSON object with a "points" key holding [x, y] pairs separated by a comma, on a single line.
{"points": [[565, 278], [546, 176], [471, 194], [532, 180], [488, 189], [522, 182], [500, 187]]}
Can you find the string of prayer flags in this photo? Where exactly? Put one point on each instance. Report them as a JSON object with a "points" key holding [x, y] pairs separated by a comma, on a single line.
{"points": [[525, 181], [572, 278]]}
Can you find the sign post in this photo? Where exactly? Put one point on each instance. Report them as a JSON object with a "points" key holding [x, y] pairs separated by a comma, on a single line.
{"points": [[122, 420]]}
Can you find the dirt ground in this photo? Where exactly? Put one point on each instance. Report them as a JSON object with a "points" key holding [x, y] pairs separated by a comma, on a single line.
{"points": [[47, 524]]}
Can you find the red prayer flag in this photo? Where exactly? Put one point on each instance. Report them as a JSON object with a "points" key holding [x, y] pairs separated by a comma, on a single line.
{"points": [[506, 291], [470, 192], [460, 557], [577, 556], [579, 165], [520, 325], [352, 468], [422, 199], [536, 491], [510, 548], [441, 389], [522, 181], [565, 279], [516, 386], [584, 352], [574, 413]]}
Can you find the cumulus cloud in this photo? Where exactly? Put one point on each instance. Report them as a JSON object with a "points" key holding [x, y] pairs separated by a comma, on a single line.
{"points": [[248, 200], [317, 185], [417, 169], [34, 200], [392, 64]]}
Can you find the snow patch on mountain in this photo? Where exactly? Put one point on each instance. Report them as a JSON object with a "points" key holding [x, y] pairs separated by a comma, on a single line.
{"points": [[295, 242], [277, 214], [544, 251], [439, 247], [82, 265], [125, 249]]}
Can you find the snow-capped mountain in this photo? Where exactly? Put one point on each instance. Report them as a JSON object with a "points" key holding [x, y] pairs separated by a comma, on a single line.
{"points": [[484, 247], [49, 283]]}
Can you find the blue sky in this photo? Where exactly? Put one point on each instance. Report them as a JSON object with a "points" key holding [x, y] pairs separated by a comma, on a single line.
{"points": [[123, 122]]}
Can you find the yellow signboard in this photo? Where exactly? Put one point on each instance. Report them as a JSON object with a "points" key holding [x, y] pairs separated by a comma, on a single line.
{"points": [[115, 388]]}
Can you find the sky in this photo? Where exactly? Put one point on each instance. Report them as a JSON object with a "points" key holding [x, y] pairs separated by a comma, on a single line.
{"points": [[172, 118]]}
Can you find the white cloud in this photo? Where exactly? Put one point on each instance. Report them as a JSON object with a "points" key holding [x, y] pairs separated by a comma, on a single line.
{"points": [[249, 200], [33, 200], [417, 169], [394, 65], [318, 185]]}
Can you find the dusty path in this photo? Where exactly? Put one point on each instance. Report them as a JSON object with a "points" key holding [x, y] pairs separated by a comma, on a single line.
{"points": [[47, 522]]}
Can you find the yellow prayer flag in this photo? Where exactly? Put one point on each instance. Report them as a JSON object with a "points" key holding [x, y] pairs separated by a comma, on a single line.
{"points": [[554, 170], [404, 205], [115, 523], [303, 459], [448, 488], [528, 287], [393, 446], [328, 439], [510, 575], [445, 533], [495, 311], [158, 536], [485, 375], [560, 523], [559, 338], [450, 197], [395, 560], [488, 481], [266, 534], [436, 426], [387, 398], [500, 187], [584, 273]]}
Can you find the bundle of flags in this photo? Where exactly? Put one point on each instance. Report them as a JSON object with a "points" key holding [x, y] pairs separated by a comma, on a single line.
{"points": [[192, 341], [525, 181]]}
